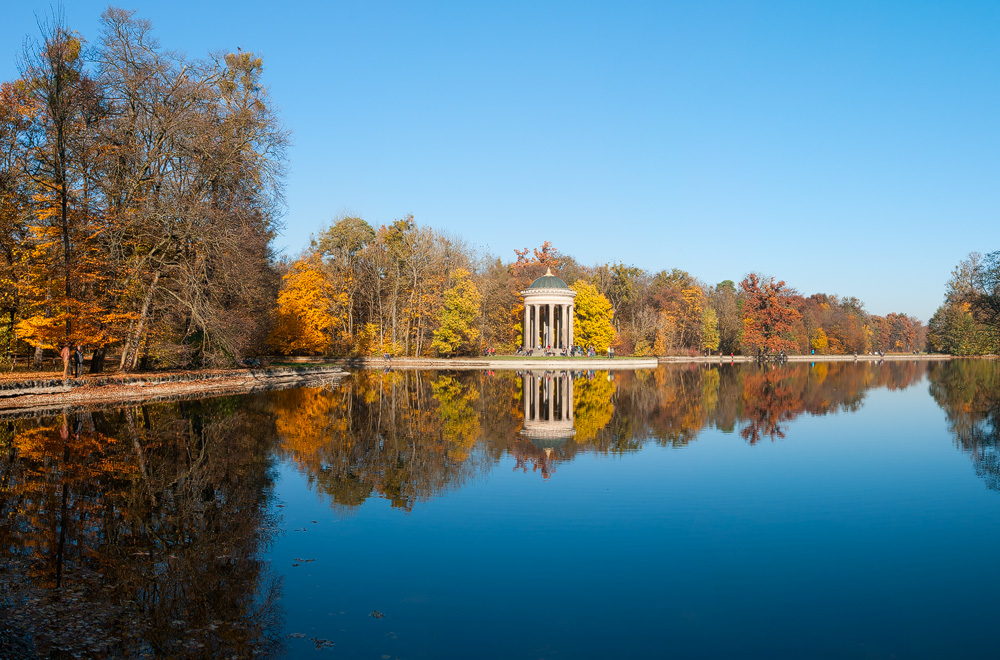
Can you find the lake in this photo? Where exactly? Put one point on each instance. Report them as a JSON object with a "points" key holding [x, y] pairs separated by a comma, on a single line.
{"points": [[820, 510]]}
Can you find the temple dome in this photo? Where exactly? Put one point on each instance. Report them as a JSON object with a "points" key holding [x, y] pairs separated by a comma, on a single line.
{"points": [[548, 281]]}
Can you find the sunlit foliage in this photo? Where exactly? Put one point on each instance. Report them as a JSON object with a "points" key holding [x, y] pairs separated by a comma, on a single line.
{"points": [[592, 321]]}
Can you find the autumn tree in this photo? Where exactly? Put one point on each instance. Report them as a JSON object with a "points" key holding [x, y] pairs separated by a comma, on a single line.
{"points": [[149, 190], [457, 331], [497, 284], [593, 317], [311, 312], [724, 301], [767, 315], [15, 200], [57, 259], [342, 247], [709, 330]]}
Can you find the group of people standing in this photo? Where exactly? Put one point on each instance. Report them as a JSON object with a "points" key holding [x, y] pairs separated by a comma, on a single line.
{"points": [[72, 358]]}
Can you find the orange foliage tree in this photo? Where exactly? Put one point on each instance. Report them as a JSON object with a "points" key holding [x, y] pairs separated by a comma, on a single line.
{"points": [[767, 315]]}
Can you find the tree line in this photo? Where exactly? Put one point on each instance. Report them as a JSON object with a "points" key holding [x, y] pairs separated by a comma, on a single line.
{"points": [[403, 289]]}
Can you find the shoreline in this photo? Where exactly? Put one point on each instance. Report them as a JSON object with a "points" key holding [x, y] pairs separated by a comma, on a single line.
{"points": [[39, 394], [624, 363]]}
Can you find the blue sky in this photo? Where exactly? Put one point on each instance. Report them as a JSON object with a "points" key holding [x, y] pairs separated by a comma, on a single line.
{"points": [[848, 148]]}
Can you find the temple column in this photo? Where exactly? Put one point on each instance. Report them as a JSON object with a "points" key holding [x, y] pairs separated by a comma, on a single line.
{"points": [[525, 329], [539, 326], [535, 327], [572, 309], [552, 329], [554, 335], [565, 327]]}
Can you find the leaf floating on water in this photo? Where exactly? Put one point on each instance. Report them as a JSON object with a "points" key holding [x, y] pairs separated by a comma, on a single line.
{"points": [[322, 643], [377, 614], [304, 561], [301, 529], [296, 635], [294, 565]]}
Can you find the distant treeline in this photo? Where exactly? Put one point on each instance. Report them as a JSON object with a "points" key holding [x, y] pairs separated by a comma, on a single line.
{"points": [[140, 192], [404, 289]]}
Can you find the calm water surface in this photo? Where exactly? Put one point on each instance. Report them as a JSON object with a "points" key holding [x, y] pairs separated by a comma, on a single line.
{"points": [[711, 511]]}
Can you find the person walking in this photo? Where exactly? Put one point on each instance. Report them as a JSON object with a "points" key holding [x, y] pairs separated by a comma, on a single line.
{"points": [[64, 354], [78, 361]]}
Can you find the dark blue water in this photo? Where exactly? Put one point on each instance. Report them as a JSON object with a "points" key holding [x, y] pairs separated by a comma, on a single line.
{"points": [[723, 512]]}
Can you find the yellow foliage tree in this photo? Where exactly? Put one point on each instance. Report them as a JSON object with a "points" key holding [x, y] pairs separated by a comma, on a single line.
{"points": [[310, 311], [592, 320], [709, 330], [457, 331], [818, 341]]}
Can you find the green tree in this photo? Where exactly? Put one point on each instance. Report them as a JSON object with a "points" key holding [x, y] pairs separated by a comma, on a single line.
{"points": [[954, 331], [593, 318], [457, 331], [723, 301]]}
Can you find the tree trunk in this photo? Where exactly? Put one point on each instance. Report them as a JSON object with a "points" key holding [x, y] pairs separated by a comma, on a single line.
{"points": [[132, 345], [97, 360]]}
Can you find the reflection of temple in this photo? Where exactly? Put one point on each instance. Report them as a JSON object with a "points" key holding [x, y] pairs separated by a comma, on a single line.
{"points": [[548, 407]]}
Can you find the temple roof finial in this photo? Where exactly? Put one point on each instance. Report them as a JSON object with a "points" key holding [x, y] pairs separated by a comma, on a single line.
{"points": [[548, 272]]}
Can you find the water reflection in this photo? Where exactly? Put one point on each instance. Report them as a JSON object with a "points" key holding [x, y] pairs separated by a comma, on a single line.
{"points": [[139, 531], [969, 393], [407, 436], [548, 407], [404, 436]]}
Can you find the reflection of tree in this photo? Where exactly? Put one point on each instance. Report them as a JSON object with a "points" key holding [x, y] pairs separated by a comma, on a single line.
{"points": [[684, 398], [593, 404], [673, 403], [969, 393], [773, 395], [140, 531], [403, 435], [769, 402], [409, 435], [459, 418]]}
